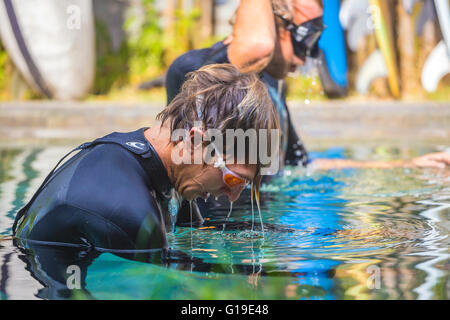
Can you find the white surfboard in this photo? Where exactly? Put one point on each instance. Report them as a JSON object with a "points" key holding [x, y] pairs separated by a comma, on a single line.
{"points": [[437, 64], [52, 44], [351, 10], [435, 68], [358, 30], [374, 67], [408, 5], [443, 12]]}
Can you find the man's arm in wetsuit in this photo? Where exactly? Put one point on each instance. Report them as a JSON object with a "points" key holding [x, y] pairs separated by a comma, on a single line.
{"points": [[176, 74]]}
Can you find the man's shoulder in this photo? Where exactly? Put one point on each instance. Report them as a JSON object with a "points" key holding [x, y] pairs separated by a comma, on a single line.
{"points": [[107, 174]]}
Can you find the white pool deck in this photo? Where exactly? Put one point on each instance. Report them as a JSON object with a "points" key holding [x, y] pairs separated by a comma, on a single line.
{"points": [[318, 123]]}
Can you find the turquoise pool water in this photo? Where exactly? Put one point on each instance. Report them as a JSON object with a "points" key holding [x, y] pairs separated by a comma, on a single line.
{"points": [[341, 234]]}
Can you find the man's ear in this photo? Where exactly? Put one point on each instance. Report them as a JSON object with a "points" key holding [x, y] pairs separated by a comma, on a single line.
{"points": [[283, 34], [196, 138]]}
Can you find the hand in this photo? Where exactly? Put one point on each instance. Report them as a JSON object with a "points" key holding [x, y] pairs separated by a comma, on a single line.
{"points": [[432, 160]]}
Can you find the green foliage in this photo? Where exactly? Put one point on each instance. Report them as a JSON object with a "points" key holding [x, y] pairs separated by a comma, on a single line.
{"points": [[144, 55], [139, 58], [111, 67], [181, 36], [146, 49], [154, 49], [12, 84], [3, 72], [305, 88]]}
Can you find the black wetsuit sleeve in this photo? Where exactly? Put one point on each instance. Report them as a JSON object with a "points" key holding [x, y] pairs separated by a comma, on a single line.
{"points": [[174, 80], [176, 75], [188, 62], [71, 224], [296, 153], [102, 199]]}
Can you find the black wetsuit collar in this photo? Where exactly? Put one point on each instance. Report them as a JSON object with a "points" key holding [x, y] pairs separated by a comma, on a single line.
{"points": [[154, 167]]}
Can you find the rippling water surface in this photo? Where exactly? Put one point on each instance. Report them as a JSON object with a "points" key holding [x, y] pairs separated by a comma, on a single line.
{"points": [[340, 234]]}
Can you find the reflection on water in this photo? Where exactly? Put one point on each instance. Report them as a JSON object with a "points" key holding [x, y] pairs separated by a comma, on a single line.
{"points": [[432, 240], [348, 234]]}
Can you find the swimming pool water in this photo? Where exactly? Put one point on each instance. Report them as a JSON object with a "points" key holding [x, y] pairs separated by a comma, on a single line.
{"points": [[340, 234]]}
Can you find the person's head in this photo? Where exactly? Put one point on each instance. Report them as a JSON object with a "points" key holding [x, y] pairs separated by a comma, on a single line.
{"points": [[213, 102], [284, 59]]}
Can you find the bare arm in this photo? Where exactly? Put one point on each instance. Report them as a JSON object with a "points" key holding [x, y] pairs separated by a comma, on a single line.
{"points": [[431, 160], [254, 36]]}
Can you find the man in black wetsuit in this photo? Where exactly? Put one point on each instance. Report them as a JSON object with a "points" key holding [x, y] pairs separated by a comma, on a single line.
{"points": [[121, 191]]}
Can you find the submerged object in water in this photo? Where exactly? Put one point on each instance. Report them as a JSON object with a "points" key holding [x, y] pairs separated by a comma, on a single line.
{"points": [[52, 44]]}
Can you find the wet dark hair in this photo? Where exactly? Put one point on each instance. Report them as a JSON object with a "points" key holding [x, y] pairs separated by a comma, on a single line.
{"points": [[222, 98]]}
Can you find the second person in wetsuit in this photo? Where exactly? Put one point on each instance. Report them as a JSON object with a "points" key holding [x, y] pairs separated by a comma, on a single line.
{"points": [[262, 42]]}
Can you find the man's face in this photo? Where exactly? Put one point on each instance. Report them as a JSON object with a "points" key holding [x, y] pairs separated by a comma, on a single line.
{"points": [[284, 60], [216, 186], [211, 180], [215, 176]]}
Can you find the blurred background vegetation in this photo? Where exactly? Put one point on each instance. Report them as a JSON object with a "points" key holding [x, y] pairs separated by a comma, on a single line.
{"points": [[149, 47], [136, 40]]}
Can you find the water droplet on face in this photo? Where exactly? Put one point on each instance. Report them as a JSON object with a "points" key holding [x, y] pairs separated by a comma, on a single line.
{"points": [[190, 212], [228, 216], [173, 207]]}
